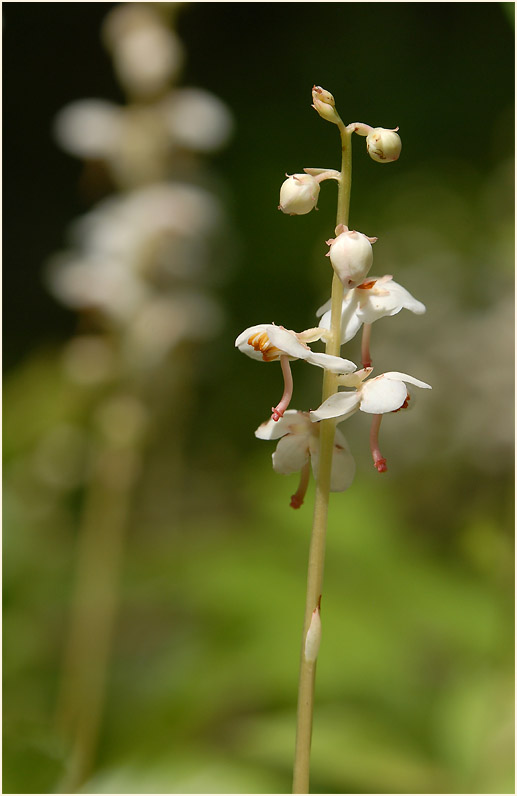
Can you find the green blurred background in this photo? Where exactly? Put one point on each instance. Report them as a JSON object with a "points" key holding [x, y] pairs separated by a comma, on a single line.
{"points": [[415, 675]]}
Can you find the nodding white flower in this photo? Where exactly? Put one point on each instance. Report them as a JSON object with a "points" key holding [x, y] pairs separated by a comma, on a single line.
{"points": [[383, 145], [385, 393], [268, 343], [376, 297], [351, 255], [298, 449], [299, 194]]}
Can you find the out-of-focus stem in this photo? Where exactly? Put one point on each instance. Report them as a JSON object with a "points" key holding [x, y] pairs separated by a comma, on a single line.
{"points": [[319, 528], [93, 610]]}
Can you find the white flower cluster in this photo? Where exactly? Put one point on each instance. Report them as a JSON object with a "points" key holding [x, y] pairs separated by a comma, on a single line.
{"points": [[137, 262], [366, 300]]}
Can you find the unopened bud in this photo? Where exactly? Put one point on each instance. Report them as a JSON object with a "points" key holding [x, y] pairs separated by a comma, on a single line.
{"points": [[299, 194], [351, 255], [383, 145], [323, 102], [313, 637]]}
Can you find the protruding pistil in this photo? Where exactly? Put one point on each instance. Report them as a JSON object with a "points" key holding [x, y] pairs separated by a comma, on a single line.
{"points": [[379, 461], [298, 497]]}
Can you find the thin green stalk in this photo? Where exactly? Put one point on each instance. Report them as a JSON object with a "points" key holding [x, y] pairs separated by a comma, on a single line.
{"points": [[93, 613], [319, 527]]}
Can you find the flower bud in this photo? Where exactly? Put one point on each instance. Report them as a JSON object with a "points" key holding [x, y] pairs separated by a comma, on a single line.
{"points": [[299, 194], [351, 255], [313, 637], [383, 145], [323, 102]]}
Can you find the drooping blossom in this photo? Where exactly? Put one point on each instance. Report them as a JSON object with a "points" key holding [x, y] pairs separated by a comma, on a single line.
{"points": [[382, 144], [299, 193], [298, 449], [351, 255], [376, 297], [385, 393], [269, 343]]}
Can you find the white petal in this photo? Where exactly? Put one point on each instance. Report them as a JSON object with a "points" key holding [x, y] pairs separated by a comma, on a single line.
{"points": [[323, 309], [396, 299], [343, 464], [382, 394], [341, 405], [293, 421], [242, 341], [334, 364], [394, 374], [350, 320], [291, 453], [246, 334], [286, 342]]}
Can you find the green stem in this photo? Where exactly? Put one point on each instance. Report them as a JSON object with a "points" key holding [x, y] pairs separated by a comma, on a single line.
{"points": [[319, 527], [94, 607]]}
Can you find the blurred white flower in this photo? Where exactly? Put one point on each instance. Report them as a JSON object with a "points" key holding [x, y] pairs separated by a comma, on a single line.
{"points": [[138, 141], [197, 119], [141, 259], [163, 322], [146, 53], [90, 283], [131, 226], [299, 443], [89, 128]]}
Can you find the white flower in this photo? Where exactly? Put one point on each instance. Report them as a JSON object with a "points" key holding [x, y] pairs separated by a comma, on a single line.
{"points": [[373, 299], [197, 119], [85, 282], [384, 393], [351, 255], [89, 128], [147, 54], [299, 445], [268, 342], [137, 141], [383, 145], [299, 194]]}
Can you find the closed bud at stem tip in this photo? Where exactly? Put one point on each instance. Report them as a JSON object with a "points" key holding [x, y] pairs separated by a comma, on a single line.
{"points": [[323, 103]]}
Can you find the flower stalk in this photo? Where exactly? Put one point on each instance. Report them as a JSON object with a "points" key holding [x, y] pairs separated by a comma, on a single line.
{"points": [[319, 526], [311, 440]]}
